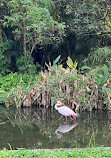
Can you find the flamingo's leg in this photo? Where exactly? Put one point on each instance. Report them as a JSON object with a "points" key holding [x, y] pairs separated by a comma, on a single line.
{"points": [[66, 119], [74, 117], [71, 118], [74, 125]]}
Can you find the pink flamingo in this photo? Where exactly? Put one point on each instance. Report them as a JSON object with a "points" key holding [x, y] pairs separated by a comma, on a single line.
{"points": [[65, 111]]}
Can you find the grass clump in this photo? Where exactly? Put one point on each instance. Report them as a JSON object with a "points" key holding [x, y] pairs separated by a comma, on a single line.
{"points": [[61, 153]]}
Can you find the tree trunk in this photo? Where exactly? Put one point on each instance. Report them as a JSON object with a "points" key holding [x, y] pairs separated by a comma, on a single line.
{"points": [[24, 43], [68, 48]]}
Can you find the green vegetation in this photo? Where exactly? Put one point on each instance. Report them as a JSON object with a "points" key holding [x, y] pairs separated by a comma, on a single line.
{"points": [[43, 29], [100, 60], [62, 153], [88, 91], [77, 34], [34, 32]]}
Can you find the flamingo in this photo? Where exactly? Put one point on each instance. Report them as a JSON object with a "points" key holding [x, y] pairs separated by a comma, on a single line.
{"points": [[65, 111], [64, 129]]}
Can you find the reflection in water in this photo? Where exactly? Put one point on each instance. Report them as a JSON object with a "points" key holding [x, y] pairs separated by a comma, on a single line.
{"points": [[36, 128], [64, 129]]}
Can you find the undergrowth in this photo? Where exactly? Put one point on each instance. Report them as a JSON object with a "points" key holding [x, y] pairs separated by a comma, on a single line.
{"points": [[91, 90]]}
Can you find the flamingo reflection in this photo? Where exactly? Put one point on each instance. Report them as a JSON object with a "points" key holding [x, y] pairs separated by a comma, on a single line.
{"points": [[64, 129]]}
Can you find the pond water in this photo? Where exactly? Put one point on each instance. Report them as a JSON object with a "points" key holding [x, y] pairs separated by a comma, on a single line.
{"points": [[34, 128]]}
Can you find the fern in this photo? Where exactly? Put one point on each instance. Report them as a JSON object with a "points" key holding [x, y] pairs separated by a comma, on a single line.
{"points": [[99, 57], [99, 60]]}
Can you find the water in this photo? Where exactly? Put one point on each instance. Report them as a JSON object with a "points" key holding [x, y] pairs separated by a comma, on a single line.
{"points": [[44, 128]]}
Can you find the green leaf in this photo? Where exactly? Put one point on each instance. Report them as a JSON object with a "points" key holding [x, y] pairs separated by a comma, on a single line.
{"points": [[70, 61], [88, 105], [99, 89], [107, 90], [43, 90], [104, 78], [47, 65], [53, 84], [106, 101], [57, 59], [53, 68], [69, 64], [53, 91], [85, 68], [94, 104], [61, 93]]}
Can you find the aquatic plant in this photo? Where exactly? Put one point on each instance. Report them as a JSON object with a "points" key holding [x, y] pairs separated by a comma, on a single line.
{"points": [[88, 91]]}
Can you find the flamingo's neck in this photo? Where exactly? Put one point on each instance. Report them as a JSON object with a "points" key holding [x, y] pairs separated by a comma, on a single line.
{"points": [[56, 107]]}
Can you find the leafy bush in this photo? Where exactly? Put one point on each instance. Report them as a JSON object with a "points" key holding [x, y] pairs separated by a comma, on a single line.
{"points": [[57, 83], [99, 59], [25, 64], [13, 83], [4, 66], [13, 79]]}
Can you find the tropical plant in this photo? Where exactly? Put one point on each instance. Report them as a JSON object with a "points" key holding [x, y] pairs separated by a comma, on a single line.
{"points": [[71, 64], [81, 92], [54, 66]]}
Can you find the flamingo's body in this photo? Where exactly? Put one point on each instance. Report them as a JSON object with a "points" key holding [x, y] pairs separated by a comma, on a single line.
{"points": [[65, 111]]}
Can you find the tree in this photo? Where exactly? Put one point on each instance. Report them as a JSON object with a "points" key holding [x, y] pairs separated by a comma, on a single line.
{"points": [[32, 25], [86, 16], [88, 23]]}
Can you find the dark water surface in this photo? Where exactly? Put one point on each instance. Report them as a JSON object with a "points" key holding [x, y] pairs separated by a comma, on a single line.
{"points": [[44, 128]]}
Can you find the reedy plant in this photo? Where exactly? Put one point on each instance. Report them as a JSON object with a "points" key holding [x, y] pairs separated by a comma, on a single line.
{"points": [[68, 85], [98, 66]]}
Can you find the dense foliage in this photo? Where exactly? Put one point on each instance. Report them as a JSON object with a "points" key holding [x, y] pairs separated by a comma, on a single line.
{"points": [[44, 28], [88, 16], [88, 91], [34, 32], [30, 24]]}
